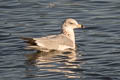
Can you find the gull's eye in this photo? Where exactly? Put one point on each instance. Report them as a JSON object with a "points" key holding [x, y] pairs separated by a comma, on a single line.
{"points": [[71, 23]]}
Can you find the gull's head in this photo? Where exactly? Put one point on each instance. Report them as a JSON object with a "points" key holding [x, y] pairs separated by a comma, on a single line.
{"points": [[72, 23]]}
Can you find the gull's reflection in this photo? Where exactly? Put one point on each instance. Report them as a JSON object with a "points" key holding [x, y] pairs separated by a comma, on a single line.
{"points": [[46, 64]]}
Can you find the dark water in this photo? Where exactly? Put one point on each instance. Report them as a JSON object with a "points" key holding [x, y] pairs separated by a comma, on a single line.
{"points": [[98, 53]]}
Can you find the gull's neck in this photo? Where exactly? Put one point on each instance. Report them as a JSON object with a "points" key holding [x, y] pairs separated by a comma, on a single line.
{"points": [[69, 32]]}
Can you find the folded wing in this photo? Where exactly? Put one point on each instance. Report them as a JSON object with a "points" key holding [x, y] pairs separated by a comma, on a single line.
{"points": [[57, 42]]}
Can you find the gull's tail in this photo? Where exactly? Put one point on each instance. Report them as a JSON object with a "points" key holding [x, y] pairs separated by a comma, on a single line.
{"points": [[30, 41]]}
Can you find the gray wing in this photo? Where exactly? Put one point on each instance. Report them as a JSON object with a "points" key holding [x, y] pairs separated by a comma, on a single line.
{"points": [[53, 41]]}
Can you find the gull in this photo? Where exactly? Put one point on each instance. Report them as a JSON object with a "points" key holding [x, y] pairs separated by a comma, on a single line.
{"points": [[61, 42]]}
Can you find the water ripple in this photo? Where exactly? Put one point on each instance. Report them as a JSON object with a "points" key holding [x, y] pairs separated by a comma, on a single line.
{"points": [[97, 55]]}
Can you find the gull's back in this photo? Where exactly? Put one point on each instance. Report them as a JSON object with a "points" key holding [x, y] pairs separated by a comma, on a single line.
{"points": [[57, 42]]}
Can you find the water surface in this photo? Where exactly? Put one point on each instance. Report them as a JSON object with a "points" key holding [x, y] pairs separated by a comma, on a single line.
{"points": [[98, 53]]}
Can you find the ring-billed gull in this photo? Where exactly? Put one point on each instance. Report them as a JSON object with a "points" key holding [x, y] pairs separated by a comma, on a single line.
{"points": [[63, 41]]}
